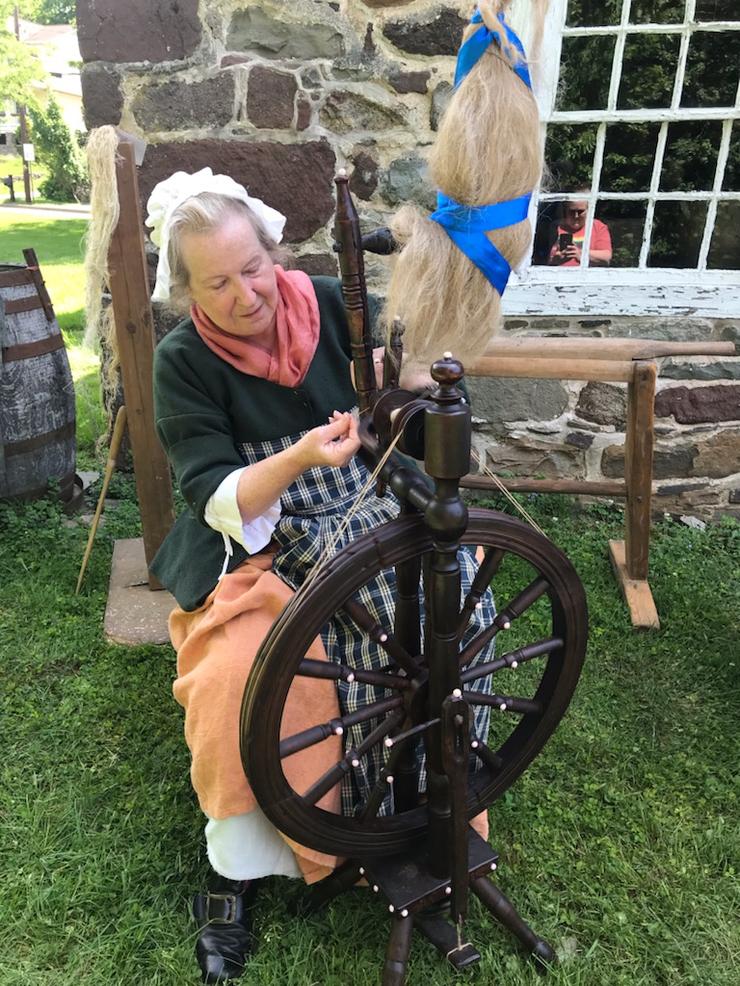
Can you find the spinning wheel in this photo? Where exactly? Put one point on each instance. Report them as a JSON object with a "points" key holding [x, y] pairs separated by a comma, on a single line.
{"points": [[410, 834], [541, 601]]}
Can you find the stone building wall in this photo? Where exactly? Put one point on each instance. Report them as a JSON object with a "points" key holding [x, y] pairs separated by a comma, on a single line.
{"points": [[280, 95]]}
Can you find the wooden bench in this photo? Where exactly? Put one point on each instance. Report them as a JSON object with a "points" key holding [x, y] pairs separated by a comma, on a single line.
{"points": [[630, 361]]}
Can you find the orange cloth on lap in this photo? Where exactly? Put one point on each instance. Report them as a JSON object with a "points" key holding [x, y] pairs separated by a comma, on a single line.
{"points": [[216, 646]]}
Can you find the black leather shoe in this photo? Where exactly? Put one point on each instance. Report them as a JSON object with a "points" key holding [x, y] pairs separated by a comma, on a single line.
{"points": [[225, 940]]}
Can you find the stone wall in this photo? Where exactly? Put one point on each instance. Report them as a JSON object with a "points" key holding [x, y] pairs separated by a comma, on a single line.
{"points": [[280, 95]]}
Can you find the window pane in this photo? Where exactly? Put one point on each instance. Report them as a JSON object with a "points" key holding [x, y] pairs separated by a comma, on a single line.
{"points": [[570, 156], [691, 156], [629, 155], [648, 71], [626, 223], [678, 230], [717, 10], [712, 69], [585, 70], [724, 253], [594, 13], [657, 11], [732, 169]]}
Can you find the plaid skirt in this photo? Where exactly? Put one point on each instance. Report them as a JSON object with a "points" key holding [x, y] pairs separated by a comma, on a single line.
{"points": [[312, 509]]}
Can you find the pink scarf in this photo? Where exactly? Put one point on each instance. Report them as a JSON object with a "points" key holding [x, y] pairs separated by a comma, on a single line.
{"points": [[296, 334]]}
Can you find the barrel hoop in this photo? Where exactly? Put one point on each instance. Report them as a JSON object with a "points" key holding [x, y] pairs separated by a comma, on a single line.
{"points": [[15, 278], [23, 304], [27, 350], [30, 444]]}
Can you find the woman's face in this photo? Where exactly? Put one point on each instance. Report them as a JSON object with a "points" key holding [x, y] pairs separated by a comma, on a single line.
{"points": [[232, 279]]}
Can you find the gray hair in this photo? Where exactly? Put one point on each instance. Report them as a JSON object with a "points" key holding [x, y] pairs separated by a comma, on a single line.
{"points": [[204, 213]]}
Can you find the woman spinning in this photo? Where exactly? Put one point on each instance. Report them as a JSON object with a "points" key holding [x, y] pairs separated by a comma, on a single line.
{"points": [[253, 396]]}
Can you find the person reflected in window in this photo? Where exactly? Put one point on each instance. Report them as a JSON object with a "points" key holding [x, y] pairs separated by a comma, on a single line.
{"points": [[571, 232]]}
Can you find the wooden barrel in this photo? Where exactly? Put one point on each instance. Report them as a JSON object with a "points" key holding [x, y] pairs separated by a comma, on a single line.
{"points": [[37, 399]]}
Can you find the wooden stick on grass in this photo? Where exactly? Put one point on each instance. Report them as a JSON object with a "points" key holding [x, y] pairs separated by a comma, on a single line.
{"points": [[118, 429]]}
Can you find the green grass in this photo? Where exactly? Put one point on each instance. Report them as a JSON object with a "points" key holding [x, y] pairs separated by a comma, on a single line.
{"points": [[59, 246], [619, 844]]}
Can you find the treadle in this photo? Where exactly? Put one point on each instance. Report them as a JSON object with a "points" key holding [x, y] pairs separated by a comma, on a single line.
{"points": [[443, 936], [406, 883]]}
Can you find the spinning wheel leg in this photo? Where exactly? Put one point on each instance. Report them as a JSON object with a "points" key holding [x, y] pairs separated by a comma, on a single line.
{"points": [[503, 910], [343, 878], [397, 954]]}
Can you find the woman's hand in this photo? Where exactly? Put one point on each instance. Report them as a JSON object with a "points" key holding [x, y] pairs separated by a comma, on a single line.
{"points": [[332, 444]]}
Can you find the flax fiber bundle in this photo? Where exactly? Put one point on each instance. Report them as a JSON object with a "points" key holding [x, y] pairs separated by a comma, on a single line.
{"points": [[102, 147], [487, 150]]}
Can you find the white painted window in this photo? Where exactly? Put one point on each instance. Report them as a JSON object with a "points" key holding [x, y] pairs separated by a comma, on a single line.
{"points": [[664, 177]]}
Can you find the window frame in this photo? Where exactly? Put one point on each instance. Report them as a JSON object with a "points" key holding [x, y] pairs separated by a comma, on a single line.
{"points": [[589, 291]]}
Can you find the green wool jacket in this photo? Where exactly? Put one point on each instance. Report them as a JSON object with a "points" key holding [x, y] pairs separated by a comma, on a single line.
{"points": [[204, 407]]}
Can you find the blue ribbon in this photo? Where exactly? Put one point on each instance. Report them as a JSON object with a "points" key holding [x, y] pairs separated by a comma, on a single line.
{"points": [[479, 43], [467, 225]]}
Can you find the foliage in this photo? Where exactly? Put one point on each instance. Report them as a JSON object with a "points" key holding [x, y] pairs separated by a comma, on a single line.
{"points": [[19, 67], [57, 148], [52, 11]]}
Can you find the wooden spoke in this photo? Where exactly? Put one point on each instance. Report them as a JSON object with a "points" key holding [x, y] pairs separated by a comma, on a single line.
{"points": [[351, 759], [505, 703], [513, 659], [486, 755], [382, 637], [518, 605], [377, 795], [402, 737], [316, 734], [483, 578], [309, 668]]}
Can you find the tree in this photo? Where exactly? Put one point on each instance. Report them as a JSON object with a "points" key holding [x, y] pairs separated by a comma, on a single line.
{"points": [[19, 68], [60, 153], [52, 11]]}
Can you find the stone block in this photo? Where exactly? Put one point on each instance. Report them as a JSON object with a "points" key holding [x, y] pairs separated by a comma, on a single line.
{"points": [[667, 463], [255, 30], [697, 404], [439, 35], [718, 456], [536, 460], [295, 178], [305, 112], [734, 496], [270, 97], [720, 369], [102, 99], [364, 178], [500, 400], [179, 105], [440, 101], [345, 111], [406, 181], [603, 403], [404, 82], [138, 30], [318, 263], [579, 439]]}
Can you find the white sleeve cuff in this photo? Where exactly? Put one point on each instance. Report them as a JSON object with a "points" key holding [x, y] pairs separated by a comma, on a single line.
{"points": [[222, 514]]}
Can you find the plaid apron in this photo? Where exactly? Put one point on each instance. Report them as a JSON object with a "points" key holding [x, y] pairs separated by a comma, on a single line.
{"points": [[313, 508]]}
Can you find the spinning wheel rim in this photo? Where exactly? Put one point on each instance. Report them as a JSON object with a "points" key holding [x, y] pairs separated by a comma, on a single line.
{"points": [[288, 640]]}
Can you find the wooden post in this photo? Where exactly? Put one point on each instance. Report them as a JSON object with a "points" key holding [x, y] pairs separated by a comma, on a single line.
{"points": [[630, 557], [129, 287]]}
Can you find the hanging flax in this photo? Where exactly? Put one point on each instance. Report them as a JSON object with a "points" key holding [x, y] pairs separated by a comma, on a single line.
{"points": [[488, 150], [102, 148]]}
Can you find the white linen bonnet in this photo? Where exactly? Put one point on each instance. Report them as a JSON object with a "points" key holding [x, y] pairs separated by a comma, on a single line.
{"points": [[167, 195]]}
